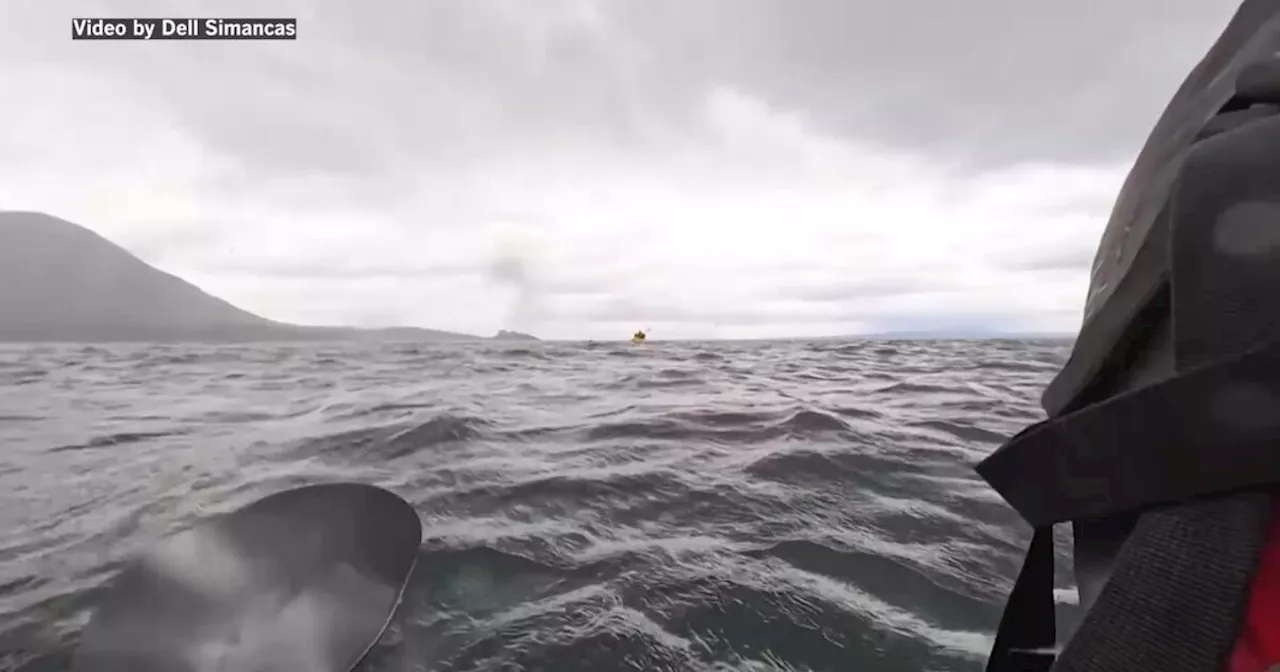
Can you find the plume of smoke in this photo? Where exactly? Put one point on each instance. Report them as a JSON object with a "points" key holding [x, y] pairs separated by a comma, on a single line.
{"points": [[514, 266]]}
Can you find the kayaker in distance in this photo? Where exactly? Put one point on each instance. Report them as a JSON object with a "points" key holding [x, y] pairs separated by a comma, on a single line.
{"points": [[1160, 446], [639, 336]]}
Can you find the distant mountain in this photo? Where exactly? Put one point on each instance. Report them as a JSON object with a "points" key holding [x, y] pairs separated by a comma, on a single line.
{"points": [[504, 335], [62, 282]]}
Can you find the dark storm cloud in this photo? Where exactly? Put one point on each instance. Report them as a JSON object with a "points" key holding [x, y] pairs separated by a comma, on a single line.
{"points": [[989, 80], [367, 87], [984, 81]]}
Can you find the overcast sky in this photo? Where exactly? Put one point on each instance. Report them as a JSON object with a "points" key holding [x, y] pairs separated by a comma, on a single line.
{"points": [[578, 169]]}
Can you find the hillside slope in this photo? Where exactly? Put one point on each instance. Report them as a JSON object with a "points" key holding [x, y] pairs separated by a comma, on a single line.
{"points": [[62, 282]]}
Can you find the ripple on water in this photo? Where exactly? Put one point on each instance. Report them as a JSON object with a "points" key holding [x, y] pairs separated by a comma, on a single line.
{"points": [[684, 506]]}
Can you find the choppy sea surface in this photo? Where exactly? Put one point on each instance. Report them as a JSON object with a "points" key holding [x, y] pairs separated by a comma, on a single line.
{"points": [[586, 507]]}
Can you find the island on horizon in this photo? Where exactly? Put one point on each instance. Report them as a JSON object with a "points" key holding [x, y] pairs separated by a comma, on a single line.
{"points": [[505, 335], [62, 282]]}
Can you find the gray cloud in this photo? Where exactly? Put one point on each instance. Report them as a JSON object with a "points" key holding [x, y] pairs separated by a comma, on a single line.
{"points": [[1077, 259], [602, 127], [305, 269], [1073, 255], [846, 290], [650, 311], [984, 81], [978, 83], [173, 240]]}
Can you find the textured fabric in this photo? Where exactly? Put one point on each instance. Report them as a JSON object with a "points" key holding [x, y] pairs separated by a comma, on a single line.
{"points": [[1257, 648], [1129, 263], [1192, 244], [1177, 596], [1208, 430]]}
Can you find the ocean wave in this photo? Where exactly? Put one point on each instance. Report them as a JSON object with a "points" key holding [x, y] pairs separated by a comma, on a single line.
{"points": [[682, 506]]}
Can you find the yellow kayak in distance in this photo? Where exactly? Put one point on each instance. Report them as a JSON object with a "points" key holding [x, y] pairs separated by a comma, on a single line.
{"points": [[639, 337]]}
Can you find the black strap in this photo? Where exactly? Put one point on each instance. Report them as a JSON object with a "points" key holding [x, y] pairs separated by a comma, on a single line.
{"points": [[1177, 592], [1027, 639]]}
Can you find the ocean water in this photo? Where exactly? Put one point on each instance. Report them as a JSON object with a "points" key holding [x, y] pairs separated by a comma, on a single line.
{"points": [[594, 507]]}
